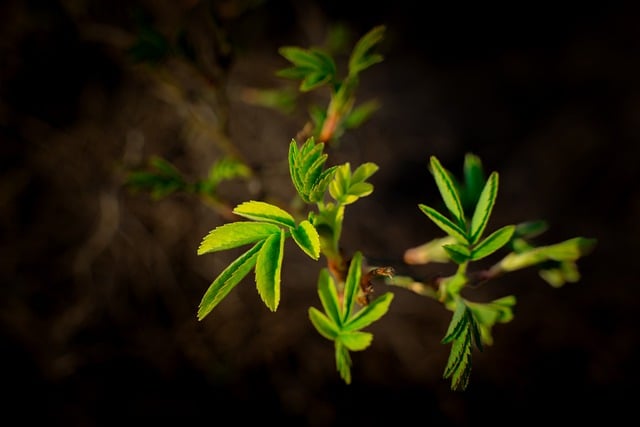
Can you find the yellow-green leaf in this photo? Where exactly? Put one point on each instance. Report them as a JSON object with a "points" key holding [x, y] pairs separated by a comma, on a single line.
{"points": [[227, 280], [444, 223], [447, 190], [352, 284], [262, 211], [306, 236], [323, 324], [493, 242], [235, 234], [356, 340], [484, 207], [268, 270], [329, 296], [370, 313]]}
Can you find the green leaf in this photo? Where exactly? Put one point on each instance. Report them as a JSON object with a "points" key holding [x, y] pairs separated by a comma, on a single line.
{"points": [[493, 242], [226, 169], [457, 324], [364, 171], [314, 80], [566, 271], [268, 270], [458, 253], [356, 340], [444, 223], [569, 250], [306, 169], [361, 114], [306, 236], [235, 234], [343, 361], [294, 171], [361, 58], [227, 280], [352, 284], [320, 186], [473, 181], [323, 325], [346, 188], [329, 296], [483, 208], [529, 229], [262, 211], [370, 313], [458, 366], [447, 190]]}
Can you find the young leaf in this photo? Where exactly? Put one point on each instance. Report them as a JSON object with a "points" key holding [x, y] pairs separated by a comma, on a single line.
{"points": [[329, 297], [346, 188], [458, 366], [444, 223], [356, 340], [321, 183], [235, 234], [352, 284], [488, 314], [473, 181], [361, 58], [569, 250], [268, 270], [227, 280], [458, 323], [370, 313], [458, 253], [493, 242], [262, 211], [447, 190], [361, 114], [484, 207], [565, 271], [323, 324], [306, 236], [312, 66], [343, 361]]}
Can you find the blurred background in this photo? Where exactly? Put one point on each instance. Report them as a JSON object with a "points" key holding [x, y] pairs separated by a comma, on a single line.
{"points": [[100, 286]]}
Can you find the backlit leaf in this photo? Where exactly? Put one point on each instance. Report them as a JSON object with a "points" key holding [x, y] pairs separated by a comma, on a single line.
{"points": [[352, 284], [323, 325], [235, 234], [268, 270], [343, 361], [370, 313], [444, 223], [483, 208], [361, 57], [493, 242], [448, 190], [329, 296], [262, 211], [227, 280], [457, 324], [356, 340], [458, 253], [306, 236]]}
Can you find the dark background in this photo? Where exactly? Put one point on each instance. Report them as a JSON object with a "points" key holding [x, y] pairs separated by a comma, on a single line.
{"points": [[100, 286]]}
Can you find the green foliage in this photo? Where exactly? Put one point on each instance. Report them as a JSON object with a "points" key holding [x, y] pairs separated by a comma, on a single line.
{"points": [[315, 219], [464, 243], [342, 320], [273, 225], [316, 68], [161, 178]]}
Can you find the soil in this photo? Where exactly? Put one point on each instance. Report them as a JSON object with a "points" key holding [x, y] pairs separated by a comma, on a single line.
{"points": [[100, 285]]}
